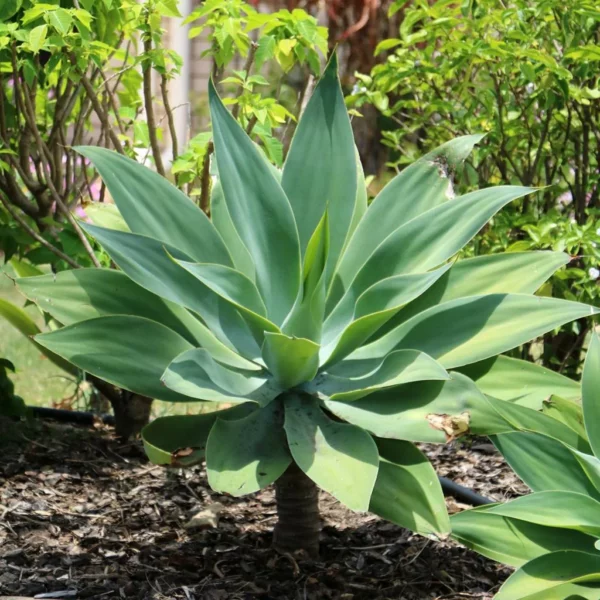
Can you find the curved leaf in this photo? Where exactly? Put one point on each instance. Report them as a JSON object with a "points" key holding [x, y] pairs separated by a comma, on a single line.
{"points": [[407, 491], [127, 351], [433, 237], [320, 168], [180, 440], [512, 541], [340, 458], [196, 374], [418, 188], [471, 329], [561, 509], [245, 455], [152, 206], [520, 381], [106, 215], [561, 575], [544, 463], [291, 360], [148, 263], [260, 211], [397, 368]]}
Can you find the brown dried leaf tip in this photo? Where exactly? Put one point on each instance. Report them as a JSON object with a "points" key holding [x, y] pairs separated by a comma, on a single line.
{"points": [[453, 426]]}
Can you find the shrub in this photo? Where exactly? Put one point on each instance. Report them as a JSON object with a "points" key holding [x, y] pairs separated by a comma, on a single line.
{"points": [[330, 327]]}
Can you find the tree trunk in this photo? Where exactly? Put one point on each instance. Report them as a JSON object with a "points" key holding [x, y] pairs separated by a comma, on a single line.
{"points": [[299, 522], [132, 414]]}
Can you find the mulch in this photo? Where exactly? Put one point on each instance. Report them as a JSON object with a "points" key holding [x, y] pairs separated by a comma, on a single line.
{"points": [[83, 515]]}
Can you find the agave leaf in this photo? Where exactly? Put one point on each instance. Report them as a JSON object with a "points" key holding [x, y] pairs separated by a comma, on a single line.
{"points": [[396, 368], [219, 214], [260, 211], [106, 215], [565, 574], [506, 273], [320, 168], [235, 288], [291, 360], [567, 412], [180, 440], [152, 206], [82, 294], [245, 455], [306, 318], [407, 490], [127, 351], [148, 263], [471, 329], [362, 201], [355, 320], [563, 509], [23, 323], [590, 384], [433, 237], [341, 459], [520, 381], [512, 541], [545, 463], [418, 188], [196, 374]]}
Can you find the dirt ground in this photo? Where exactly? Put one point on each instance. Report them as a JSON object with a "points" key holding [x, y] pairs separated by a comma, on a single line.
{"points": [[86, 516]]}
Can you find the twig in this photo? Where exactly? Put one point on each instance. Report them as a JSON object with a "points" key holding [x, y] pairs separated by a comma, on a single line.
{"points": [[247, 67], [35, 235], [149, 106], [170, 118]]}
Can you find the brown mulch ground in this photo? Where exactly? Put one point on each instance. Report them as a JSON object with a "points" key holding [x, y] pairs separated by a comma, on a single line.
{"points": [[86, 515]]}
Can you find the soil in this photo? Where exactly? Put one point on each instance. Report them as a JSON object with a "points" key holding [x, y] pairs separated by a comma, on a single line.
{"points": [[86, 516]]}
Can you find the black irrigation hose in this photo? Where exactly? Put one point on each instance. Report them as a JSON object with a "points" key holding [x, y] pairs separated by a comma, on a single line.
{"points": [[460, 493]]}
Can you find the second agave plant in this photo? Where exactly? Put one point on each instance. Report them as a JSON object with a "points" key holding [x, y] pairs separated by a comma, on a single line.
{"points": [[334, 332]]}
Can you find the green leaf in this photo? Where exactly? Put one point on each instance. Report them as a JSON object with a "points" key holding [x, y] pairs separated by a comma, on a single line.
{"points": [[507, 273], [563, 509], [590, 387], [341, 459], [418, 188], [196, 374], [23, 323], [260, 211], [566, 574], [520, 381], [37, 38], [9, 8], [242, 259], [130, 352], [145, 261], [61, 20], [512, 541], [544, 463], [355, 320], [433, 237], [164, 436], [568, 412], [265, 50], [397, 368], [290, 360], [320, 170], [153, 207], [306, 318], [106, 215], [407, 491], [246, 455], [235, 288], [471, 329], [82, 294]]}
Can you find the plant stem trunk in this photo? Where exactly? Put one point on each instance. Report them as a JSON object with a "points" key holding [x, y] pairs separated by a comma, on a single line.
{"points": [[299, 522]]}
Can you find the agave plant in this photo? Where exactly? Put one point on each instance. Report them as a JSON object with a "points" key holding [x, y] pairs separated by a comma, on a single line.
{"points": [[552, 535], [329, 328]]}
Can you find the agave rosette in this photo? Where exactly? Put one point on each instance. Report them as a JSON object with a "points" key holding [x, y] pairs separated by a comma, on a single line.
{"points": [[336, 330]]}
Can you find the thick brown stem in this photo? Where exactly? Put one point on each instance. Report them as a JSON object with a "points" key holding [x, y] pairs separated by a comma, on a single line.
{"points": [[299, 523]]}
